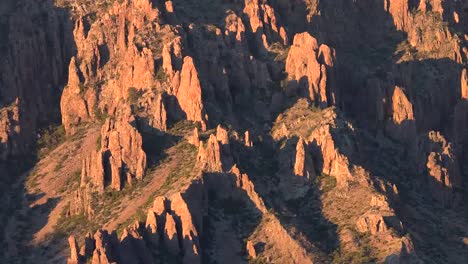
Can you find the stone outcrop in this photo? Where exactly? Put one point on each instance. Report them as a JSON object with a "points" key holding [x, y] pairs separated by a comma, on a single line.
{"points": [[334, 162], [189, 93], [303, 165], [154, 117], [102, 253], [74, 257], [296, 169], [309, 69], [185, 82], [402, 126], [169, 225], [92, 170], [264, 23], [247, 140], [251, 252], [215, 156], [226, 62], [120, 158], [74, 107], [245, 185], [400, 11], [194, 139], [209, 157], [373, 223], [464, 84], [81, 202], [439, 163]]}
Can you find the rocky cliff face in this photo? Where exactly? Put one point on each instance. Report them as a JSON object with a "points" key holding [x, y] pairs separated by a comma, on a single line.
{"points": [[236, 131], [35, 48], [120, 159]]}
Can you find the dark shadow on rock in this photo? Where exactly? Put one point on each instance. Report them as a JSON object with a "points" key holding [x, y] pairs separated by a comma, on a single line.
{"points": [[303, 214], [366, 40], [35, 48], [226, 202]]}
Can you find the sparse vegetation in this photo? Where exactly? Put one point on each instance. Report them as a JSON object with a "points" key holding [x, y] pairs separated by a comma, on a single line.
{"points": [[49, 138], [185, 167], [363, 254], [82, 88], [76, 224], [98, 143], [326, 182], [72, 182], [133, 95], [161, 75], [100, 115]]}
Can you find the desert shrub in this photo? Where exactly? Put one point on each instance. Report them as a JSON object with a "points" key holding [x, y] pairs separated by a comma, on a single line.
{"points": [[49, 138], [161, 75], [100, 115], [82, 88], [133, 95], [326, 182], [98, 143]]}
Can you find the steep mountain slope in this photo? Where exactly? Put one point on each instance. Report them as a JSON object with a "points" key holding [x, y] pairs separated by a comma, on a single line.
{"points": [[256, 131]]}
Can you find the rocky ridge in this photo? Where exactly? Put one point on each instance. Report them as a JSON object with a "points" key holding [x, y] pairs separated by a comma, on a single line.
{"points": [[321, 130]]}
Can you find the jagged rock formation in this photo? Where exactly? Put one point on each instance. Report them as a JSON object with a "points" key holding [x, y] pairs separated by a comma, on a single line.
{"points": [[438, 161], [303, 165], [155, 116], [81, 203], [311, 73], [247, 140], [326, 153], [74, 106], [215, 156], [263, 23], [402, 125], [120, 158], [297, 169], [170, 226]]}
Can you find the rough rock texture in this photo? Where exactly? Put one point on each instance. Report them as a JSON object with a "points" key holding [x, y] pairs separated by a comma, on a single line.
{"points": [[402, 126], [303, 165], [35, 51], [194, 139], [342, 135], [74, 257], [464, 84], [155, 115], [439, 163], [93, 170], [334, 162], [308, 68], [185, 82], [263, 23], [173, 226], [75, 109], [81, 203], [215, 155], [373, 223], [189, 93], [120, 158], [297, 169], [247, 140], [244, 184], [250, 249]]}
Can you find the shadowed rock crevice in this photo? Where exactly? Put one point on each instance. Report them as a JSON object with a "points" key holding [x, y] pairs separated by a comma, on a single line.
{"points": [[327, 131]]}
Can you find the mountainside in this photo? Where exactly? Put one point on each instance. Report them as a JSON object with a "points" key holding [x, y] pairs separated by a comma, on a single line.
{"points": [[229, 131]]}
